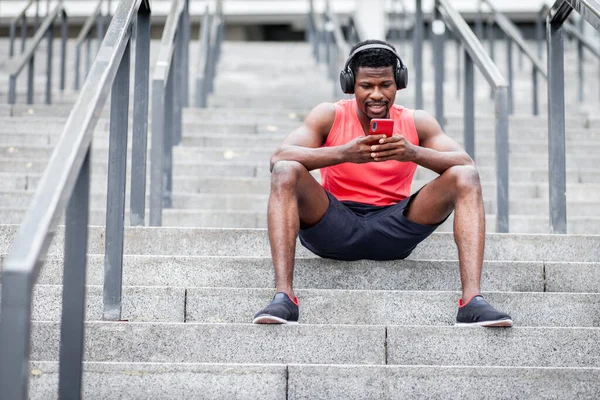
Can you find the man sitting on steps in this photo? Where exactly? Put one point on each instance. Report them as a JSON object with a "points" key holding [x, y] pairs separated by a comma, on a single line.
{"points": [[363, 209]]}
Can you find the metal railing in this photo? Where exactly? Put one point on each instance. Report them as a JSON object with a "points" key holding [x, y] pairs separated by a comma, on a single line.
{"points": [[85, 35], [513, 34], [211, 38], [22, 18], [65, 186], [28, 57], [329, 43], [167, 105], [582, 42], [474, 54], [555, 19], [400, 23]]}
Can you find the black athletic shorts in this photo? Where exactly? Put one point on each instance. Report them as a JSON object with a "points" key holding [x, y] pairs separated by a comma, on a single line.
{"points": [[355, 231]]}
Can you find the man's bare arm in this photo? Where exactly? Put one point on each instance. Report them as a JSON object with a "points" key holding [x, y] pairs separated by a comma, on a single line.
{"points": [[437, 151], [304, 144]]}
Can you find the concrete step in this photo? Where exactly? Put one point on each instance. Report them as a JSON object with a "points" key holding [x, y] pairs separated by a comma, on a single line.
{"points": [[213, 305], [326, 344], [140, 304], [218, 218], [322, 307], [165, 381], [255, 243], [260, 186], [294, 381], [317, 273]]}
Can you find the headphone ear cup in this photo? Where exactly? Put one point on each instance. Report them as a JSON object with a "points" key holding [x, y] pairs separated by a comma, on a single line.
{"points": [[401, 77], [347, 81]]}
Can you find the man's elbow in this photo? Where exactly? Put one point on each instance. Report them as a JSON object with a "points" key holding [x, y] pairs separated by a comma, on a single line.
{"points": [[274, 159]]}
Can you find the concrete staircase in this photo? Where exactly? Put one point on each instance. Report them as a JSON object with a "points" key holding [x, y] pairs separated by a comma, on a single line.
{"points": [[368, 329]]}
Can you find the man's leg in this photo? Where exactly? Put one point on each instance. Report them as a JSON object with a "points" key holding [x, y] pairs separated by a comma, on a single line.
{"points": [[458, 189], [296, 200]]}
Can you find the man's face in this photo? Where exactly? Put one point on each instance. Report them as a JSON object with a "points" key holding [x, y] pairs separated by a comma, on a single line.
{"points": [[375, 91]]}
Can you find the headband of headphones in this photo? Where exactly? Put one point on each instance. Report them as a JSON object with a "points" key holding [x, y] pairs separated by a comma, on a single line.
{"points": [[347, 76], [371, 46]]}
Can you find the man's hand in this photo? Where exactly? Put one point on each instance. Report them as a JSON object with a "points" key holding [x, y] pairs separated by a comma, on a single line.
{"points": [[393, 148], [359, 150]]}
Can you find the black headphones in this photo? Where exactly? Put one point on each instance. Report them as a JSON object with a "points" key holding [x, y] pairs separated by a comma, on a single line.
{"points": [[347, 76]]}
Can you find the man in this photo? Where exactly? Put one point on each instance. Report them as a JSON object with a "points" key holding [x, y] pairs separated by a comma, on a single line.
{"points": [[363, 209]]}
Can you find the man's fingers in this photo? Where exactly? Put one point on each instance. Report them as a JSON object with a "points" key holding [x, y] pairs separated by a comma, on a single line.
{"points": [[384, 154], [372, 138], [383, 147]]}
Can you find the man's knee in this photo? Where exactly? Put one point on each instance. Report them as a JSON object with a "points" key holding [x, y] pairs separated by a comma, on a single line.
{"points": [[464, 178], [285, 174]]}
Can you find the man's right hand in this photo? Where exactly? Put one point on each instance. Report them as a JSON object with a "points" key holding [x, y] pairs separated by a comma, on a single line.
{"points": [[359, 151]]}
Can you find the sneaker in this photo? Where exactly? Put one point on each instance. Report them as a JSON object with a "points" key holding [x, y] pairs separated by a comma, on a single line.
{"points": [[478, 312], [281, 310]]}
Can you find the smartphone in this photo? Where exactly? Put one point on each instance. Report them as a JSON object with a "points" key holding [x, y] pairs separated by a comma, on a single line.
{"points": [[381, 126]]}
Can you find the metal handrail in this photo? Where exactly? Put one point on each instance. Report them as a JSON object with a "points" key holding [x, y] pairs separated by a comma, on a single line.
{"points": [[22, 16], [555, 19], [28, 57], [203, 66], [475, 54], [336, 47], [97, 19], [582, 42], [65, 185], [211, 38], [338, 51], [514, 35], [167, 104], [586, 42]]}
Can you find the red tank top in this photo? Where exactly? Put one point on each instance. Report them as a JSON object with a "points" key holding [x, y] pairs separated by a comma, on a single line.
{"points": [[376, 183]]}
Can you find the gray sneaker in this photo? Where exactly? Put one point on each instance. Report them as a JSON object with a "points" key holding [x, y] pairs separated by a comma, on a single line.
{"points": [[478, 312]]}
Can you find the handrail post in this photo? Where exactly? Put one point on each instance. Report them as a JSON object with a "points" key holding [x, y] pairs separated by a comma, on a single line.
{"points": [[491, 33], [15, 329], [99, 29], [140, 121], [469, 106], [539, 33], [30, 75], [556, 128], [12, 89], [534, 85], [73, 299], [418, 55], [438, 29], [168, 139], [77, 64], [115, 204], [11, 48], [49, 65], [509, 58], [185, 56], [23, 32], [202, 74], [157, 152], [502, 160], [580, 63], [64, 31], [458, 60], [179, 75], [88, 54]]}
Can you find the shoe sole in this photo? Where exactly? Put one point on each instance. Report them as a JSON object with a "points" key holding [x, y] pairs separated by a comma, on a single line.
{"points": [[507, 323], [270, 319]]}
